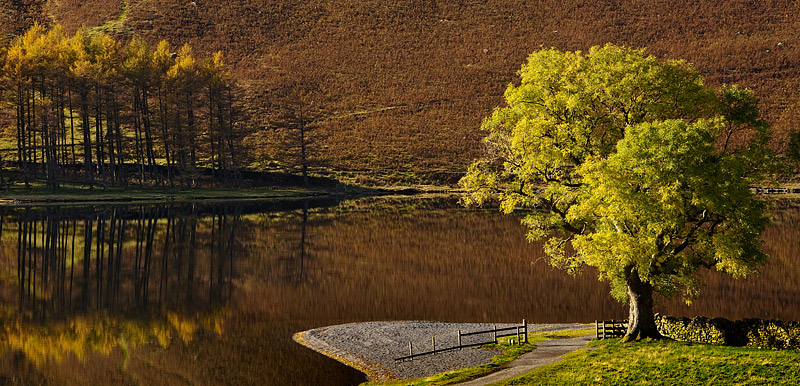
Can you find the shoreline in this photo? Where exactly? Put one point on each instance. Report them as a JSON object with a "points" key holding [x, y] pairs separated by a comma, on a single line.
{"points": [[373, 371], [40, 196], [149, 195], [371, 347]]}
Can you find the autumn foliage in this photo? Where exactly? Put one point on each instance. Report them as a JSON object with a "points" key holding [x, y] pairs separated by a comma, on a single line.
{"points": [[88, 108]]}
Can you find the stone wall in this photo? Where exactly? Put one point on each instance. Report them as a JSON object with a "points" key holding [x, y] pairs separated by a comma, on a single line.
{"points": [[774, 334]]}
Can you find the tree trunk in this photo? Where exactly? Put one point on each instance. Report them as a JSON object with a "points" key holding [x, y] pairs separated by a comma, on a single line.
{"points": [[100, 137], [303, 159], [148, 137], [71, 126], [641, 319], [87, 138], [137, 131]]}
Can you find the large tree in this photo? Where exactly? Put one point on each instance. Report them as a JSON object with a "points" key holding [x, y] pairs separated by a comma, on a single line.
{"points": [[631, 165]]}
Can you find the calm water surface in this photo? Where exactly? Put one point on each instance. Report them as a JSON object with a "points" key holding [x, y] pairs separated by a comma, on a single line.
{"points": [[211, 294]]}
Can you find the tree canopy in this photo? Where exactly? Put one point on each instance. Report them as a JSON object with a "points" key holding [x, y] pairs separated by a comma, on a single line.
{"points": [[631, 165], [91, 109]]}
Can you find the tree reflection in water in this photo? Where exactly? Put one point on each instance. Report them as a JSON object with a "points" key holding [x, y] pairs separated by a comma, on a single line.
{"points": [[91, 279]]}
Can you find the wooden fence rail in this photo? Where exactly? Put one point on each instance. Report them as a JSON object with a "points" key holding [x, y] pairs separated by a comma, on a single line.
{"points": [[520, 331], [766, 190], [610, 329]]}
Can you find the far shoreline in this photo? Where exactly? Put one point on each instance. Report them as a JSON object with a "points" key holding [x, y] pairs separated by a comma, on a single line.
{"points": [[137, 195], [19, 197]]}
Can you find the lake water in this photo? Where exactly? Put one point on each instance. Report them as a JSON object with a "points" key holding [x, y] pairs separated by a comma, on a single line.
{"points": [[211, 294]]}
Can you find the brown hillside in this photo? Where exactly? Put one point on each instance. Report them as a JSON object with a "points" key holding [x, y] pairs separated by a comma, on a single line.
{"points": [[441, 66], [17, 15]]}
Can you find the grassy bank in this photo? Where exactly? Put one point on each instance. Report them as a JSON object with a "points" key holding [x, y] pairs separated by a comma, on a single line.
{"points": [[667, 363], [645, 363], [510, 352]]}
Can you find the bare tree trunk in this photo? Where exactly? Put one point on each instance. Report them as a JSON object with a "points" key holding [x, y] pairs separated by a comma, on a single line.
{"points": [[118, 137], [22, 151], [223, 135], [303, 159], [48, 147], [32, 123], [211, 133], [109, 136], [87, 138], [71, 125], [99, 137], [236, 175], [191, 140], [149, 148], [30, 138], [165, 137], [50, 130], [180, 143], [641, 319], [137, 131]]}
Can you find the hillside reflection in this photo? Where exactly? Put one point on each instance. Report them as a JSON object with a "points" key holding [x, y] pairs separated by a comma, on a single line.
{"points": [[211, 294]]}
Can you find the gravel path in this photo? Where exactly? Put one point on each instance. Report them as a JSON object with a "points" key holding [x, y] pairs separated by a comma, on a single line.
{"points": [[372, 347], [547, 352]]}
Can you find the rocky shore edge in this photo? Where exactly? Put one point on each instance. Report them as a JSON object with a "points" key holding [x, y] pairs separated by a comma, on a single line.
{"points": [[371, 347]]}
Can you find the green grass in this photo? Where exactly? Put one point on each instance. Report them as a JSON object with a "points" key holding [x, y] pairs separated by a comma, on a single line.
{"points": [[667, 363], [509, 353], [115, 25]]}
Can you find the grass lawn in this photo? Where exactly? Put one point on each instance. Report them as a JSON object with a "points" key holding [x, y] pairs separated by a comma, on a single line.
{"points": [[668, 363]]}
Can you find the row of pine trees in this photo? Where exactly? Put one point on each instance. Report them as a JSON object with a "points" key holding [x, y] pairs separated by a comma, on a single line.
{"points": [[92, 110]]}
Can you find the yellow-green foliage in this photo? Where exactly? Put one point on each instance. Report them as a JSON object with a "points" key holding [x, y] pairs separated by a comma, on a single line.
{"points": [[758, 333], [628, 157]]}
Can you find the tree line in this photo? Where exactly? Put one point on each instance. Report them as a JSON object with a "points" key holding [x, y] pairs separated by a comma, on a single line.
{"points": [[90, 109]]}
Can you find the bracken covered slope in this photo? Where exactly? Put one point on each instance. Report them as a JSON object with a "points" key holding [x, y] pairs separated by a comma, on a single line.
{"points": [[407, 82]]}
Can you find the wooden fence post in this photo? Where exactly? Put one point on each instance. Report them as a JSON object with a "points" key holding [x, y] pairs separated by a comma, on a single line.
{"points": [[525, 328]]}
